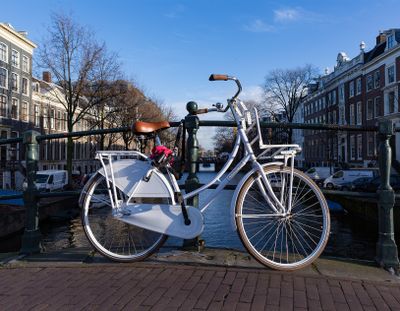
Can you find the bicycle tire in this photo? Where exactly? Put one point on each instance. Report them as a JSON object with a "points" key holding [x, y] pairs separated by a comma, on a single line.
{"points": [[101, 228], [257, 224]]}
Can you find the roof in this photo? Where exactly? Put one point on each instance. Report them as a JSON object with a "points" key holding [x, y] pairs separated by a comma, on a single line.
{"points": [[20, 36], [375, 52]]}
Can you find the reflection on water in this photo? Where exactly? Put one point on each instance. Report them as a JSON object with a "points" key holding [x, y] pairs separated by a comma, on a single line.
{"points": [[350, 237]]}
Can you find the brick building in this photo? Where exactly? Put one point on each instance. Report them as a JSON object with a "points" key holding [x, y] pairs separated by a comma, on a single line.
{"points": [[359, 91], [15, 98]]}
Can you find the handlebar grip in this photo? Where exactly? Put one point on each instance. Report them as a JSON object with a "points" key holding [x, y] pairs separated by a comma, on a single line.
{"points": [[216, 77], [202, 110]]}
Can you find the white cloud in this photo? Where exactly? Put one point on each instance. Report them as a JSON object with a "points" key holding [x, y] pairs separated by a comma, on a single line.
{"points": [[287, 15], [254, 93], [259, 26]]}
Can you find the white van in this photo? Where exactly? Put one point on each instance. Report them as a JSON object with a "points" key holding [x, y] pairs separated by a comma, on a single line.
{"points": [[51, 180], [345, 176], [319, 173]]}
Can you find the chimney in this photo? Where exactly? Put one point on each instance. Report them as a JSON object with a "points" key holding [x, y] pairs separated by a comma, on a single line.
{"points": [[380, 38], [47, 76]]}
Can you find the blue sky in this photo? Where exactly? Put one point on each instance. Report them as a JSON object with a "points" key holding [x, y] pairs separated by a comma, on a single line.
{"points": [[170, 47]]}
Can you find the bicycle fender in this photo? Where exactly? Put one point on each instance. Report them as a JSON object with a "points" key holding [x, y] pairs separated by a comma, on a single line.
{"points": [[237, 190]]}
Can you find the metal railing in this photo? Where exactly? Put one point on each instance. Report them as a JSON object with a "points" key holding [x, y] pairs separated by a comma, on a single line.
{"points": [[386, 256]]}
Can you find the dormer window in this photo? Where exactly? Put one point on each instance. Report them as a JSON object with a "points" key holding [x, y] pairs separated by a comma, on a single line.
{"points": [[35, 87], [390, 41]]}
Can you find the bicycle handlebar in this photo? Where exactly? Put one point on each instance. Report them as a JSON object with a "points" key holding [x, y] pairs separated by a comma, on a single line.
{"points": [[216, 77], [219, 107], [219, 77]]}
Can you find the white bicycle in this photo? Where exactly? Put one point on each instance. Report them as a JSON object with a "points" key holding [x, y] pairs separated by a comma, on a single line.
{"points": [[133, 203]]}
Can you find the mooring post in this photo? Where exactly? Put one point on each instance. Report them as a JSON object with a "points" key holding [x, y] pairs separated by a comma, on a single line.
{"points": [[386, 249], [32, 236], [192, 181]]}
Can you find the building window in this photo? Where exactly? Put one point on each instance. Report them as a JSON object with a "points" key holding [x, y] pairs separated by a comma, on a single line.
{"points": [[25, 86], [45, 118], [359, 146], [3, 52], [24, 111], [352, 114], [390, 41], [333, 97], [359, 113], [341, 115], [3, 78], [14, 82], [58, 120], [36, 114], [25, 63], [390, 74], [52, 117], [341, 93], [351, 89], [65, 121], [3, 106], [377, 106], [370, 83], [359, 86], [371, 144], [14, 108], [15, 58], [377, 79], [35, 87], [352, 147], [391, 108], [370, 109]]}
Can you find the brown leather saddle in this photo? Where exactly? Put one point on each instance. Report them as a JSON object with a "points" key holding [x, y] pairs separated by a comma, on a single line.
{"points": [[141, 127]]}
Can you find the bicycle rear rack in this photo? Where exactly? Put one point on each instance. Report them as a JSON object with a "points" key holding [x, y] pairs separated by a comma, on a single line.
{"points": [[272, 152]]}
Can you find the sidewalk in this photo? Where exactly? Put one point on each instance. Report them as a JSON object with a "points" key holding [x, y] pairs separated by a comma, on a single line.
{"points": [[176, 280]]}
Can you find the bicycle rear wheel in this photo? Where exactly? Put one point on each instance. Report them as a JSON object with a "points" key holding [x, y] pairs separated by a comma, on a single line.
{"points": [[283, 242], [111, 237]]}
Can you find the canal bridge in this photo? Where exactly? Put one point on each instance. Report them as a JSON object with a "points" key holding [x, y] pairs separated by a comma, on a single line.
{"points": [[387, 251]]}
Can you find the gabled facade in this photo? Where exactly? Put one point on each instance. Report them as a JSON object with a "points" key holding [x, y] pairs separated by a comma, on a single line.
{"points": [[359, 91], [16, 110]]}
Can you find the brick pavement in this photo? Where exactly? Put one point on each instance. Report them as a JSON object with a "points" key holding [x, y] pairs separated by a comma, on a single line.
{"points": [[185, 287]]}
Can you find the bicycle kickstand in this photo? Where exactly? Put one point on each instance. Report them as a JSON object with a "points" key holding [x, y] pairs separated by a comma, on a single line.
{"points": [[184, 210]]}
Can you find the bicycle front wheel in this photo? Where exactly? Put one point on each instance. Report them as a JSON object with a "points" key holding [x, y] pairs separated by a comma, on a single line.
{"points": [[110, 236], [283, 241]]}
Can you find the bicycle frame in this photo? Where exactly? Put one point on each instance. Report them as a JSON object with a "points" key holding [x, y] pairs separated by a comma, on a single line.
{"points": [[275, 203]]}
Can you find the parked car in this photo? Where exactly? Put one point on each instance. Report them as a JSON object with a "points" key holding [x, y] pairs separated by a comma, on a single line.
{"points": [[346, 176], [373, 184], [319, 173], [353, 185]]}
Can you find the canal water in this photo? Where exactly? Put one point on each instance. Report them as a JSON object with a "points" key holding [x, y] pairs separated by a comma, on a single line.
{"points": [[350, 237]]}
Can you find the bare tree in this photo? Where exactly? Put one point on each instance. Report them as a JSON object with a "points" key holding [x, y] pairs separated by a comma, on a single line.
{"points": [[82, 68], [284, 90]]}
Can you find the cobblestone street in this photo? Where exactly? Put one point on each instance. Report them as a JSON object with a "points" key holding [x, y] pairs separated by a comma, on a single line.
{"points": [[185, 287]]}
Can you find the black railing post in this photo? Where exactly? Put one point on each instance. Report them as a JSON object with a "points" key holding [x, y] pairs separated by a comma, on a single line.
{"points": [[386, 249], [192, 181], [32, 236]]}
